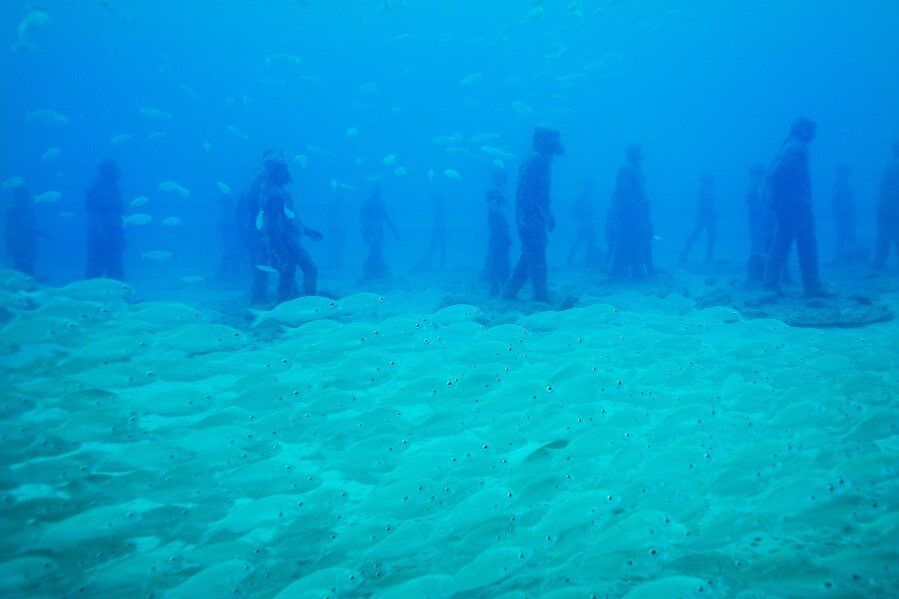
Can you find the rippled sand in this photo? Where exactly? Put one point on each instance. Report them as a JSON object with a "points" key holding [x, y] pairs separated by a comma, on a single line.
{"points": [[373, 446]]}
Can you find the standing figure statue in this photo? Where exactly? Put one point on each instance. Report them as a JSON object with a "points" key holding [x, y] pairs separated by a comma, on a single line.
{"points": [[761, 226], [374, 217], [105, 235], [497, 265], [706, 220], [437, 247], [888, 211], [585, 217], [21, 231], [277, 234], [790, 198], [533, 214]]}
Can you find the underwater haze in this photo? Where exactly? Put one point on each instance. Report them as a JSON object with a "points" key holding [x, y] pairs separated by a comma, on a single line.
{"points": [[394, 417]]}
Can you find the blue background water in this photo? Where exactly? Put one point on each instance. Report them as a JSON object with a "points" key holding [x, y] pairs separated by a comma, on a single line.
{"points": [[703, 86]]}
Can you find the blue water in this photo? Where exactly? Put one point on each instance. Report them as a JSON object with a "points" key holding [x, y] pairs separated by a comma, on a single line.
{"points": [[152, 433]]}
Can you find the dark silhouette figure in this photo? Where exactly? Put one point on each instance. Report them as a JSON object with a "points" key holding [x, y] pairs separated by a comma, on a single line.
{"points": [[845, 217], [437, 247], [21, 231], [888, 211], [790, 198], [373, 217], [706, 218], [629, 226], [281, 233], [248, 206], [232, 263], [585, 217], [105, 236], [533, 215], [498, 264], [761, 226]]}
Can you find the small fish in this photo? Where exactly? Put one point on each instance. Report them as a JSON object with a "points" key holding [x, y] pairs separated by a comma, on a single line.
{"points": [[173, 187], [360, 160], [51, 155], [266, 268], [521, 109], [496, 152], [303, 160], [400, 170], [570, 78], [470, 80], [189, 91], [260, 220], [352, 132], [223, 188], [448, 140], [172, 221], [46, 117], [206, 146], [155, 114], [237, 132], [499, 164], [535, 13], [14, 182], [33, 20], [482, 138], [118, 139], [157, 255], [431, 174], [137, 219], [289, 213], [139, 201], [369, 88], [657, 237], [282, 59], [48, 196], [452, 174], [389, 160]]}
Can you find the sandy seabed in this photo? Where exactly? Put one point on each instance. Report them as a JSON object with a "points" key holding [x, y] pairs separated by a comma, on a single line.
{"points": [[378, 446]]}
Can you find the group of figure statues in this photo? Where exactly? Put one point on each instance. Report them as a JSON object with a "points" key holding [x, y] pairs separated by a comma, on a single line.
{"points": [[262, 233]]}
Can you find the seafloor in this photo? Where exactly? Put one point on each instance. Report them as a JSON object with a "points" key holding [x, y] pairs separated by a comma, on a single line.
{"points": [[648, 441]]}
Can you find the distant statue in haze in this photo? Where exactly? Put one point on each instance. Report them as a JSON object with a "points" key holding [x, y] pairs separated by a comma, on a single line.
{"points": [[789, 190], [533, 214], [585, 218], [373, 217], [629, 227], [845, 219], [232, 263], [497, 265], [705, 221], [21, 231], [437, 246], [105, 235], [888, 211]]}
